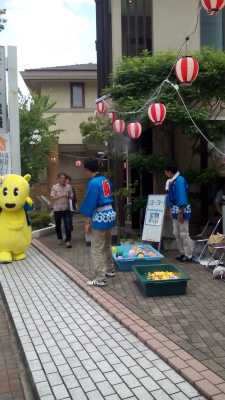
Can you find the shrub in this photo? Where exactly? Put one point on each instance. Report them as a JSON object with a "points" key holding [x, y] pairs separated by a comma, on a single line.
{"points": [[39, 220]]}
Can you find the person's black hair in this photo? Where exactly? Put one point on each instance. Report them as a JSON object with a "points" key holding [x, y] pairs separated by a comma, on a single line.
{"points": [[171, 166], [68, 177], [62, 173], [91, 164]]}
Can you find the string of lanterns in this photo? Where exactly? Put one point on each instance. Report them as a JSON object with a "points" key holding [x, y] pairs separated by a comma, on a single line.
{"points": [[78, 163], [186, 71]]}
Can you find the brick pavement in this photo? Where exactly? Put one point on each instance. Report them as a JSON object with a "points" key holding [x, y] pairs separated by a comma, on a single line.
{"points": [[14, 384], [74, 349], [168, 325], [195, 321]]}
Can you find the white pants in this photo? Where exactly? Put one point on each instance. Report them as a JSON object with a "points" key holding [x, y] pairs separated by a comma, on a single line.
{"points": [[181, 233]]}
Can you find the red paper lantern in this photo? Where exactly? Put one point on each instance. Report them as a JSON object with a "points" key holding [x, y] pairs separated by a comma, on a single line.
{"points": [[119, 125], [78, 163], [95, 113], [213, 6], [157, 113], [134, 130], [112, 117], [186, 70], [101, 108], [124, 165], [53, 160]]}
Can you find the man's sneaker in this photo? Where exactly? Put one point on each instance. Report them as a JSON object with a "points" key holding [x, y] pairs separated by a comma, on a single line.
{"points": [[112, 273], [60, 241], [186, 260], [179, 258], [68, 244], [96, 283]]}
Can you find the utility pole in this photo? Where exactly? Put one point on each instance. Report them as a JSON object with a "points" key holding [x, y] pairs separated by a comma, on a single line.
{"points": [[13, 112]]}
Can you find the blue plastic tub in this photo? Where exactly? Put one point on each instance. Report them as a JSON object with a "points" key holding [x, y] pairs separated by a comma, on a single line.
{"points": [[126, 264]]}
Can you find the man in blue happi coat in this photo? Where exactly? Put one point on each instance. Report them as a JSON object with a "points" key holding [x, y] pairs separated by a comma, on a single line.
{"points": [[180, 210], [97, 205]]}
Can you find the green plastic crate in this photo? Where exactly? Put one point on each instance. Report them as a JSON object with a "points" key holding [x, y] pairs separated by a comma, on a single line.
{"points": [[168, 287]]}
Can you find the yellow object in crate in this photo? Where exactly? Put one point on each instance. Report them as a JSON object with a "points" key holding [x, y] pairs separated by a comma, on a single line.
{"points": [[157, 275]]}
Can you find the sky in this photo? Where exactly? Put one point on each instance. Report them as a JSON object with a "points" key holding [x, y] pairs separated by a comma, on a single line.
{"points": [[50, 33]]}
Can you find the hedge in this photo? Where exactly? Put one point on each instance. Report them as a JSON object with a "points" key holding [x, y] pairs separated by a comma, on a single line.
{"points": [[39, 220]]}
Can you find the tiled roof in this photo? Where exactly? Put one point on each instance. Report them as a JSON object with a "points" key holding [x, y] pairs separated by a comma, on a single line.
{"points": [[76, 67]]}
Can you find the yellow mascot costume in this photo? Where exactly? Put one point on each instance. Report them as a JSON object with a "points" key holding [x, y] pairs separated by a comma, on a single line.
{"points": [[15, 227]]}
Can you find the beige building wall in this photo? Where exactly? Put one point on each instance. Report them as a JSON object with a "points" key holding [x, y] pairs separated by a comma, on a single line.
{"points": [[116, 30], [70, 118], [165, 33]]}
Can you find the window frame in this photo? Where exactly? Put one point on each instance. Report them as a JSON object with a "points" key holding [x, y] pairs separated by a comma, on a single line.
{"points": [[72, 84]]}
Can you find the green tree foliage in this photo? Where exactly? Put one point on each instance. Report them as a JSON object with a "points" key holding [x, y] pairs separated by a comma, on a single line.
{"points": [[35, 133], [96, 130], [2, 20], [147, 162], [135, 80]]}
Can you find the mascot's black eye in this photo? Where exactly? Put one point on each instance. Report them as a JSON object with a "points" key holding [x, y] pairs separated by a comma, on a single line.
{"points": [[5, 191], [16, 192]]}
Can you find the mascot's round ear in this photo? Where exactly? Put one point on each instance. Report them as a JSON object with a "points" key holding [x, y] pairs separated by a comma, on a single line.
{"points": [[27, 177]]}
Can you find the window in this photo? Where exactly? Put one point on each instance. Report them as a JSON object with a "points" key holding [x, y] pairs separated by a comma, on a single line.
{"points": [[77, 95], [212, 29]]}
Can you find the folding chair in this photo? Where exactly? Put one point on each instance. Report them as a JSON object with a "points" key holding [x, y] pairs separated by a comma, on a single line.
{"points": [[203, 237], [216, 247]]}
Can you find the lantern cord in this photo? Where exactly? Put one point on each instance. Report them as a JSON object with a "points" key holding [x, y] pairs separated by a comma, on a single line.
{"points": [[176, 87], [158, 90], [78, 157], [194, 26]]}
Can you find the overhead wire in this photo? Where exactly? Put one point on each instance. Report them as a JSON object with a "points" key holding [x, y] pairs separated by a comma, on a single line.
{"points": [[158, 91]]}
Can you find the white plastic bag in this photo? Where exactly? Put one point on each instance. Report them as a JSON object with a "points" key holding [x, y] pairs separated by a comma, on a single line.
{"points": [[218, 271]]}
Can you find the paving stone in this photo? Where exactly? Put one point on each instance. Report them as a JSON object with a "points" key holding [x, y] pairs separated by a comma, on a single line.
{"points": [[49, 367], [149, 383], [54, 379], [138, 372], [186, 388], [128, 361], [97, 376], [122, 390], [131, 381], [38, 376], [104, 366], [64, 370], [142, 394], [43, 388], [78, 393], [105, 388], [160, 395], [60, 392], [89, 365], [87, 384], [173, 376]]}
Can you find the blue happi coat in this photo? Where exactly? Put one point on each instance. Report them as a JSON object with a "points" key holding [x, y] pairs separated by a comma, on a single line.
{"points": [[98, 197], [178, 197]]}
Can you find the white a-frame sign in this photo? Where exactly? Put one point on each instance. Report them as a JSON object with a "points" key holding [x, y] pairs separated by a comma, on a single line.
{"points": [[154, 218]]}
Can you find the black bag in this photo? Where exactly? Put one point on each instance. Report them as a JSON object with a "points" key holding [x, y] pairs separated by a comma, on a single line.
{"points": [[69, 221]]}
